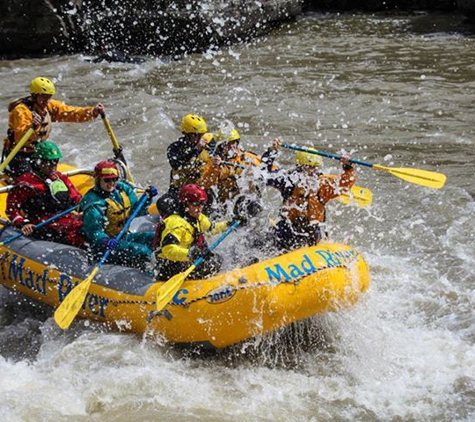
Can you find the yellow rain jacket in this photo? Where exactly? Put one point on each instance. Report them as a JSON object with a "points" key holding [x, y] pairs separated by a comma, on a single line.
{"points": [[21, 118], [186, 234]]}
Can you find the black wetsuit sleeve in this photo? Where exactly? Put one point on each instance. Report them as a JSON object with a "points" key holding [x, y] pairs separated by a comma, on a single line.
{"points": [[180, 153]]}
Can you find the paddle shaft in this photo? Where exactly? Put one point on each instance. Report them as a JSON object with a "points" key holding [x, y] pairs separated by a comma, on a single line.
{"points": [[426, 178], [116, 148], [17, 148], [139, 206], [325, 154], [218, 241], [39, 225]]}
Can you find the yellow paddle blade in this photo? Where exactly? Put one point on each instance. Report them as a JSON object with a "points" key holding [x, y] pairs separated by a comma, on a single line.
{"points": [[70, 306], [168, 290], [426, 178], [361, 196]]}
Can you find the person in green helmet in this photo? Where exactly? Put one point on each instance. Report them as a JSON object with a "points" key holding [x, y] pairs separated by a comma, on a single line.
{"points": [[42, 193], [39, 111]]}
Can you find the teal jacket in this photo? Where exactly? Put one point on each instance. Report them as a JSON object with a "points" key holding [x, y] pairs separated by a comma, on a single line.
{"points": [[94, 207]]}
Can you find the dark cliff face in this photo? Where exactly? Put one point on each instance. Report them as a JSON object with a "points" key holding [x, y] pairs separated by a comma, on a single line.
{"points": [[36, 26], [382, 5], [148, 27]]}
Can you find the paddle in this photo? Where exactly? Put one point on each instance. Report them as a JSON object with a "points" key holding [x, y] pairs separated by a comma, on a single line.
{"points": [[17, 148], [69, 308], [426, 178], [362, 196], [166, 292], [39, 225], [116, 148]]}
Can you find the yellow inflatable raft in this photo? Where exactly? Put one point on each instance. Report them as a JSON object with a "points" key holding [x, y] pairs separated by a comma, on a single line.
{"points": [[219, 311]]}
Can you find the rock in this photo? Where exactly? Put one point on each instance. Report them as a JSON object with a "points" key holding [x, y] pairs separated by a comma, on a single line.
{"points": [[134, 27]]}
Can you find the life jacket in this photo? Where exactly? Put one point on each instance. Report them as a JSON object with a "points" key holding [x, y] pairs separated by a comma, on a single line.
{"points": [[228, 186], [189, 232], [304, 206], [117, 214], [189, 172], [40, 135], [52, 196]]}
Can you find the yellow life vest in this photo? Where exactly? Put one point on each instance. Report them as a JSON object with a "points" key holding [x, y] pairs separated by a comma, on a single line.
{"points": [[228, 178], [186, 233], [117, 215], [41, 134], [189, 173], [45, 129]]}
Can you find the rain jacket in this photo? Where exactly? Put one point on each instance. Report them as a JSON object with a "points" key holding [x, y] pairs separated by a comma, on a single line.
{"points": [[179, 233], [304, 199], [226, 176], [21, 119], [176, 236], [36, 198], [134, 249], [186, 162]]}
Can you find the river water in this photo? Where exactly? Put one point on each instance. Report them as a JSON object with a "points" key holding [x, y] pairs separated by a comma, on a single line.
{"points": [[393, 90]]}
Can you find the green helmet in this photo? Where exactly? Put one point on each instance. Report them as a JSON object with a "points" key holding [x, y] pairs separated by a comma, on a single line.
{"points": [[47, 151]]}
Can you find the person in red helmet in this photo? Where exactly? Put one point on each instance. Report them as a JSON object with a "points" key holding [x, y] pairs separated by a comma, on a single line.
{"points": [[106, 208], [180, 239], [39, 111]]}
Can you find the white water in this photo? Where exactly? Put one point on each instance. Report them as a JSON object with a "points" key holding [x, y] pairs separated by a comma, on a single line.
{"points": [[372, 86]]}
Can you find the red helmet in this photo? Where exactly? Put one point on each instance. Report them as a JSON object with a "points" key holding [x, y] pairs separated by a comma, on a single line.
{"points": [[192, 193], [106, 170]]}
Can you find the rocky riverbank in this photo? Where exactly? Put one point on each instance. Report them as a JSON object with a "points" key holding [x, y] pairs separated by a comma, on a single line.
{"points": [[163, 27]]}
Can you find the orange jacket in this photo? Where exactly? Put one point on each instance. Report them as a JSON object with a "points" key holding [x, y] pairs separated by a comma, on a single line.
{"points": [[226, 176], [305, 196], [21, 118]]}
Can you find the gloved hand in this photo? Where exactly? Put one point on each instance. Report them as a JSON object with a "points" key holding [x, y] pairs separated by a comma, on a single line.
{"points": [[110, 244], [246, 208], [151, 191], [242, 220], [195, 252]]}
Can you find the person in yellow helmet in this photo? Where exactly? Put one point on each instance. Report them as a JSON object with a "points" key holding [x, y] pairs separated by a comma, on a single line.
{"points": [[38, 111], [186, 156], [226, 173], [230, 170], [305, 191]]}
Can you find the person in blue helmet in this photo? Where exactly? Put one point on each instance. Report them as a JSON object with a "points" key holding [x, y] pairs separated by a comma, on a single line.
{"points": [[106, 208]]}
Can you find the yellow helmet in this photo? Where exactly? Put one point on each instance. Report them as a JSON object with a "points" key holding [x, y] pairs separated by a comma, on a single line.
{"points": [[208, 137], [41, 85], [192, 123], [231, 136], [307, 159]]}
